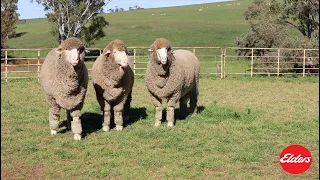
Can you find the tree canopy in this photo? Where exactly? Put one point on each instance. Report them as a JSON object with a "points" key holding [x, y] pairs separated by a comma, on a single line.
{"points": [[76, 18], [270, 24], [303, 15], [9, 19]]}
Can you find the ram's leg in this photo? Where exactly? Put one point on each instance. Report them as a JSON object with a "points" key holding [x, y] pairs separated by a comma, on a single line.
{"points": [[183, 105], [170, 116], [172, 101], [54, 116], [102, 103], [158, 114], [194, 100], [118, 118], [76, 123], [69, 119], [106, 116], [126, 110]]}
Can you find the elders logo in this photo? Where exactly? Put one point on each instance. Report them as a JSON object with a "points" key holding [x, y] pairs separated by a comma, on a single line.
{"points": [[295, 159]]}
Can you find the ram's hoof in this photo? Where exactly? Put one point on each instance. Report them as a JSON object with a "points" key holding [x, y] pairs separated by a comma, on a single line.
{"points": [[157, 123], [170, 124], [77, 137], [119, 128], [105, 128], [53, 132]]}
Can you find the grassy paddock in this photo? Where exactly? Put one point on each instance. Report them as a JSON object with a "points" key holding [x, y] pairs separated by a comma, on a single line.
{"points": [[242, 127], [182, 26]]}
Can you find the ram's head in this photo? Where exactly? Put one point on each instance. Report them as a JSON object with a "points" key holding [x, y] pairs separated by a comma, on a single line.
{"points": [[117, 51], [162, 51], [72, 51]]}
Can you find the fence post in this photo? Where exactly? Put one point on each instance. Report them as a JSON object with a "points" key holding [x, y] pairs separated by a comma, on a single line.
{"points": [[194, 51], [6, 65], [224, 62], [221, 64], [38, 65], [304, 63], [134, 61], [28, 64], [278, 68], [251, 72]]}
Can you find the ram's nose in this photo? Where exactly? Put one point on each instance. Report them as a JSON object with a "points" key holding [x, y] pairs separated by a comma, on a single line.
{"points": [[124, 64], [75, 62], [163, 61]]}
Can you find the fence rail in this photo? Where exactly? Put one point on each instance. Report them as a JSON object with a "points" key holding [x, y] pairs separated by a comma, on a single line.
{"points": [[217, 61]]}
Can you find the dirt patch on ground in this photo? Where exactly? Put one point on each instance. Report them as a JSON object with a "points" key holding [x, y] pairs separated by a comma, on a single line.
{"points": [[23, 172], [5, 174]]}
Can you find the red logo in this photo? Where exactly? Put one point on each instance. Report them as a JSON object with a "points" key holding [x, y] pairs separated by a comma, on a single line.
{"points": [[295, 159]]}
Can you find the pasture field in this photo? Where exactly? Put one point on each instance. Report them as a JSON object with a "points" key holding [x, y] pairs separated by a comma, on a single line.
{"points": [[182, 26], [242, 126]]}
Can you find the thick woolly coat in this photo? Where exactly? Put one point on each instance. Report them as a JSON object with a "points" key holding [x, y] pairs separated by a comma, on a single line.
{"points": [[64, 84], [177, 77], [110, 80]]}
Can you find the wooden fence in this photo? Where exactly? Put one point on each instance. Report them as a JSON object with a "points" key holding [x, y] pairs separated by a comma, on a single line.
{"points": [[215, 61]]}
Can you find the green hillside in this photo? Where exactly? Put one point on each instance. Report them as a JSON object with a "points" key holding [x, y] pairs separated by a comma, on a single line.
{"points": [[183, 26]]}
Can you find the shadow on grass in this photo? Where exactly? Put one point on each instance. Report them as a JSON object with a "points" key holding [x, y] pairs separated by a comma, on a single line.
{"points": [[178, 116], [136, 114], [92, 122], [20, 34]]}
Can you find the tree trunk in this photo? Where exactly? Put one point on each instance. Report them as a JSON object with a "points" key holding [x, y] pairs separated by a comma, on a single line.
{"points": [[310, 27], [309, 30], [61, 38]]}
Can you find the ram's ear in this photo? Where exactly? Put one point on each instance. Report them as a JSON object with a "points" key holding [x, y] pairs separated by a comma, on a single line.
{"points": [[170, 55], [152, 48], [58, 50], [107, 53]]}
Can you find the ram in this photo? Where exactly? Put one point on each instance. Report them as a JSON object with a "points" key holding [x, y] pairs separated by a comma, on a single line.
{"points": [[174, 76], [64, 80], [113, 79]]}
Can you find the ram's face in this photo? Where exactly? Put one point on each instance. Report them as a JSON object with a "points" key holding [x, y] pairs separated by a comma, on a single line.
{"points": [[73, 56], [120, 57], [162, 55]]}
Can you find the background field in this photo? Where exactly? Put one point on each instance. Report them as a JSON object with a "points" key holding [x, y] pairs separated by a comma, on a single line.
{"points": [[242, 126], [182, 26], [217, 25]]}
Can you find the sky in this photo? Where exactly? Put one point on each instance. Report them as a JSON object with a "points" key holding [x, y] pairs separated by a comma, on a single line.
{"points": [[28, 10]]}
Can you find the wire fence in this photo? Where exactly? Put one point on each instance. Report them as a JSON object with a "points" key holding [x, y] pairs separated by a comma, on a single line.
{"points": [[214, 61]]}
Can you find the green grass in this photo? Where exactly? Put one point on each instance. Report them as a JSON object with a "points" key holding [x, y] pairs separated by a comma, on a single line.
{"points": [[244, 125]]}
